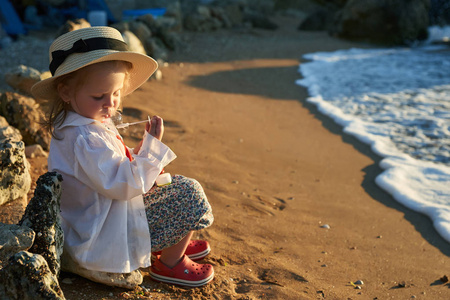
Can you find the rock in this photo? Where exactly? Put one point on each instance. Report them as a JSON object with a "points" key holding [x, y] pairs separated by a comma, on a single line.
{"points": [[220, 14], [34, 151], [158, 75], [321, 19], [134, 44], [170, 39], [15, 179], [42, 215], [13, 239], [72, 25], [234, 13], [156, 49], [45, 75], [9, 132], [125, 280], [121, 26], [204, 11], [25, 114], [390, 22], [150, 21], [22, 78], [140, 29], [26, 276], [259, 20]]}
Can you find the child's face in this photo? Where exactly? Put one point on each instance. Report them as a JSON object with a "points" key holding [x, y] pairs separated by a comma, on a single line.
{"points": [[98, 97]]}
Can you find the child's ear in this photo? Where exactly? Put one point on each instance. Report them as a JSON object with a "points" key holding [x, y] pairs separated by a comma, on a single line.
{"points": [[64, 92]]}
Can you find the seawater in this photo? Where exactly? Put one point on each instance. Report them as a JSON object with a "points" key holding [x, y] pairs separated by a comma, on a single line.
{"points": [[398, 101]]}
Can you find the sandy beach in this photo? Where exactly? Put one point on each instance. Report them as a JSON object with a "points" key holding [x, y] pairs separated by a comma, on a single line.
{"points": [[276, 171]]}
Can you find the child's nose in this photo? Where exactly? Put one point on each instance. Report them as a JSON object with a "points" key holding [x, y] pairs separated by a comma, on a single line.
{"points": [[109, 101]]}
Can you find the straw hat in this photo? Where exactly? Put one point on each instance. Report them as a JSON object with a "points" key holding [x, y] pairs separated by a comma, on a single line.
{"points": [[86, 46]]}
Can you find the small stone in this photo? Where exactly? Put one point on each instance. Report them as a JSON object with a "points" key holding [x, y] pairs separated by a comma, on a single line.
{"points": [[379, 237], [324, 266], [110, 295], [326, 226], [34, 151], [359, 282], [67, 281], [235, 182], [357, 287], [158, 75]]}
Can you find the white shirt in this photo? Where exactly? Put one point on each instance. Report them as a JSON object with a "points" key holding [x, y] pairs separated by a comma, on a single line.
{"points": [[102, 208]]}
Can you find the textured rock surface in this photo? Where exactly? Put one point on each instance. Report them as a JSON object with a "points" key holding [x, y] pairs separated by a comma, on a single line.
{"points": [[42, 215], [13, 239], [22, 78], [15, 179], [124, 280], [27, 276], [9, 132], [389, 22], [25, 114]]}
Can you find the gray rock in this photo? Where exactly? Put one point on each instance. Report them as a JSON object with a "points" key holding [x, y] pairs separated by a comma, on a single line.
{"points": [[22, 78], [72, 25], [124, 280], [9, 132], [140, 29], [13, 239], [42, 215], [391, 22], [26, 276], [220, 14], [15, 179], [35, 151], [170, 39], [321, 19], [156, 49], [259, 20], [134, 44], [25, 114]]}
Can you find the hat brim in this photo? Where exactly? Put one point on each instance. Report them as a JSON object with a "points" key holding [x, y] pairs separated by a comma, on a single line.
{"points": [[143, 67]]}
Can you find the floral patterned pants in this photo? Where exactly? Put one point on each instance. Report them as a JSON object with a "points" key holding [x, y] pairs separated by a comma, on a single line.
{"points": [[176, 209]]}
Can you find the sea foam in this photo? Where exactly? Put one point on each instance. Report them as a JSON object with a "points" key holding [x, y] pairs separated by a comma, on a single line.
{"points": [[397, 100]]}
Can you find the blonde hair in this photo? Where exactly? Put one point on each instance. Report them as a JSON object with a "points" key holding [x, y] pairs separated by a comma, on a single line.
{"points": [[57, 109]]}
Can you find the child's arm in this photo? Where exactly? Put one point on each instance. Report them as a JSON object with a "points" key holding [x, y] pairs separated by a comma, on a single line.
{"points": [[155, 128]]}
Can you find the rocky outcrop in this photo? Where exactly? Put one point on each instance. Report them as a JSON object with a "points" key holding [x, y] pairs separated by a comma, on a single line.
{"points": [[9, 132], [33, 274], [27, 276], [15, 179], [13, 239], [390, 22], [42, 216], [22, 78], [25, 114], [72, 25]]}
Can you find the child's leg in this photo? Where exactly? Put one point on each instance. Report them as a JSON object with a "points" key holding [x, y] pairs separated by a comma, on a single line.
{"points": [[174, 211], [172, 255]]}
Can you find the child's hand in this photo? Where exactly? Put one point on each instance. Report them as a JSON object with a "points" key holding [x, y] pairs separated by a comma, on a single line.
{"points": [[155, 127]]}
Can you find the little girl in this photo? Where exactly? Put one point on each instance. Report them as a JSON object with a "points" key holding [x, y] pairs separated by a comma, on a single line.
{"points": [[113, 214]]}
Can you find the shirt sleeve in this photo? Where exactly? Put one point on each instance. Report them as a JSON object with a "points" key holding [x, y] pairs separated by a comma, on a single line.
{"points": [[101, 167]]}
